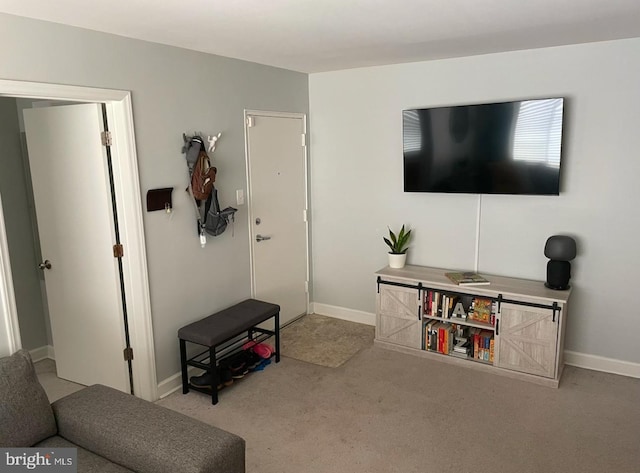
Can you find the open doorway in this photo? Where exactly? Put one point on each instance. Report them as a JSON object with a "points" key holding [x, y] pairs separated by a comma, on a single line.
{"points": [[19, 217], [117, 109]]}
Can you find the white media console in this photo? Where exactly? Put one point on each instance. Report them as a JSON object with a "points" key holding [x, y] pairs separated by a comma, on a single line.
{"points": [[526, 330]]}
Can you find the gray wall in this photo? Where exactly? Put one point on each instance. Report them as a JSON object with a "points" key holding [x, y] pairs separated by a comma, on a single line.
{"points": [[20, 238], [173, 91], [357, 183]]}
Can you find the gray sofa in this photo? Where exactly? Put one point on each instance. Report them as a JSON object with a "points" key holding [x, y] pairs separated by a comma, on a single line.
{"points": [[113, 431]]}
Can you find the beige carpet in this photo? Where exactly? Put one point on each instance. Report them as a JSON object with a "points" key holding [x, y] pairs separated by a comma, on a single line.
{"points": [[386, 412], [324, 341], [56, 388]]}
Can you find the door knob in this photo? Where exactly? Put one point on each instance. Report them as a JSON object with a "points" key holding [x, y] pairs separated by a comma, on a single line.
{"points": [[260, 238], [46, 264]]}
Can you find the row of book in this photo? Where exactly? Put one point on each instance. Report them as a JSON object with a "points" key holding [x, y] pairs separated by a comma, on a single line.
{"points": [[458, 340], [459, 306]]}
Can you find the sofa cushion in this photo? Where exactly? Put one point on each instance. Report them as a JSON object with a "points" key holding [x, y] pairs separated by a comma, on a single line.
{"points": [[144, 437], [25, 413], [88, 462]]}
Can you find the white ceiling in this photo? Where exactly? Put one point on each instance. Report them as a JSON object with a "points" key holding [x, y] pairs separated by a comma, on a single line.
{"points": [[322, 35]]}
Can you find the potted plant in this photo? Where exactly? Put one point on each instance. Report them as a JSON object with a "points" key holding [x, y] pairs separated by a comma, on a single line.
{"points": [[398, 246]]}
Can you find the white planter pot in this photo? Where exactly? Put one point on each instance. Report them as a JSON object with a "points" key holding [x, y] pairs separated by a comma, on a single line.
{"points": [[397, 261]]}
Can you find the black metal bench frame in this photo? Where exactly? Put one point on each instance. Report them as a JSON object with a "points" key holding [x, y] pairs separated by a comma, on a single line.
{"points": [[216, 353]]}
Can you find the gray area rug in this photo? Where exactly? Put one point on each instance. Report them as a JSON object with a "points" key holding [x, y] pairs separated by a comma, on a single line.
{"points": [[324, 341]]}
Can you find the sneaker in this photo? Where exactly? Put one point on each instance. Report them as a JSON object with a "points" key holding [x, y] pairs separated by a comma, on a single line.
{"points": [[238, 368], [263, 363], [253, 360], [202, 381], [226, 377], [263, 350]]}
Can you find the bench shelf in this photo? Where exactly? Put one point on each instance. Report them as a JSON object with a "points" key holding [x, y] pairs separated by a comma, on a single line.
{"points": [[223, 334]]}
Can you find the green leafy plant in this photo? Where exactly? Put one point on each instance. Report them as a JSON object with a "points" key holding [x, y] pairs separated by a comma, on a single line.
{"points": [[398, 244]]}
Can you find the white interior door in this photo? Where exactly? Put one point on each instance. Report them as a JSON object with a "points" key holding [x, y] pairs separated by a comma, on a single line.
{"points": [[75, 221], [276, 157]]}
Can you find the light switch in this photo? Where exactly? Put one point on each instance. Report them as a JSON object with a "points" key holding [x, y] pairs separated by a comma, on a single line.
{"points": [[239, 197]]}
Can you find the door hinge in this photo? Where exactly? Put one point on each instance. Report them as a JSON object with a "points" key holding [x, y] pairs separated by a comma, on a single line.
{"points": [[106, 137], [304, 215], [118, 251], [128, 354], [250, 122], [304, 139], [306, 286]]}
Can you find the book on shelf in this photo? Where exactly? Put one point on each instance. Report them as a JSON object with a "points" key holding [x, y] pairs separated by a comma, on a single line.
{"points": [[483, 345], [467, 278], [431, 331], [486, 337], [491, 349], [447, 306], [482, 309], [460, 340]]}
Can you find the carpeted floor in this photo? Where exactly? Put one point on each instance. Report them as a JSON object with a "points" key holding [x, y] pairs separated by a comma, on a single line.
{"points": [[324, 341], [386, 412], [55, 387]]}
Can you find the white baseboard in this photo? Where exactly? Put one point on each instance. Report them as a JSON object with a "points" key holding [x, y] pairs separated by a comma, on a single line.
{"points": [[600, 363], [580, 360], [343, 313], [42, 353], [173, 383]]}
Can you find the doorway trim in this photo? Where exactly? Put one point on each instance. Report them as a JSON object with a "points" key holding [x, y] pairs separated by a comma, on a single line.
{"points": [[296, 115], [8, 310], [127, 184]]}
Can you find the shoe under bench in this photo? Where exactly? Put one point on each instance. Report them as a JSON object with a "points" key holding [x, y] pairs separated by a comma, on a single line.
{"points": [[222, 333]]}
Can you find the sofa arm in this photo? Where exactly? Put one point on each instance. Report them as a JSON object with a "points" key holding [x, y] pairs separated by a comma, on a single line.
{"points": [[144, 437]]}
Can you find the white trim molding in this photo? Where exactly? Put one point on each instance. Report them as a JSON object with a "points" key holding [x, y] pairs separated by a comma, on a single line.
{"points": [[580, 360], [343, 313], [8, 310], [126, 180], [174, 382], [41, 90], [135, 272], [42, 353], [600, 363]]}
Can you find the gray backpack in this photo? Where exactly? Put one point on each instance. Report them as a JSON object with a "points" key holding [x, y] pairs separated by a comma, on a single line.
{"points": [[216, 220]]}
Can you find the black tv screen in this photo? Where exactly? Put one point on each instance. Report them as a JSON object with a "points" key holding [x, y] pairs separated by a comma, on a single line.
{"points": [[497, 148]]}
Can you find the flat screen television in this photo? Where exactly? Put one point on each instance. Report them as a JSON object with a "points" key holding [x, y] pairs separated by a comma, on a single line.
{"points": [[494, 148]]}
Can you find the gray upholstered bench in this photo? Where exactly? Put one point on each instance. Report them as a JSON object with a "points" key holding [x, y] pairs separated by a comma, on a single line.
{"points": [[220, 333]]}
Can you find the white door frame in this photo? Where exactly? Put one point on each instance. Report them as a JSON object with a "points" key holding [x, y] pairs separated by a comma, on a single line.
{"points": [[8, 311], [262, 113], [129, 207]]}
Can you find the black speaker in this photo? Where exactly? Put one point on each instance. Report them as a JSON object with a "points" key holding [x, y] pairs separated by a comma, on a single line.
{"points": [[560, 249]]}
